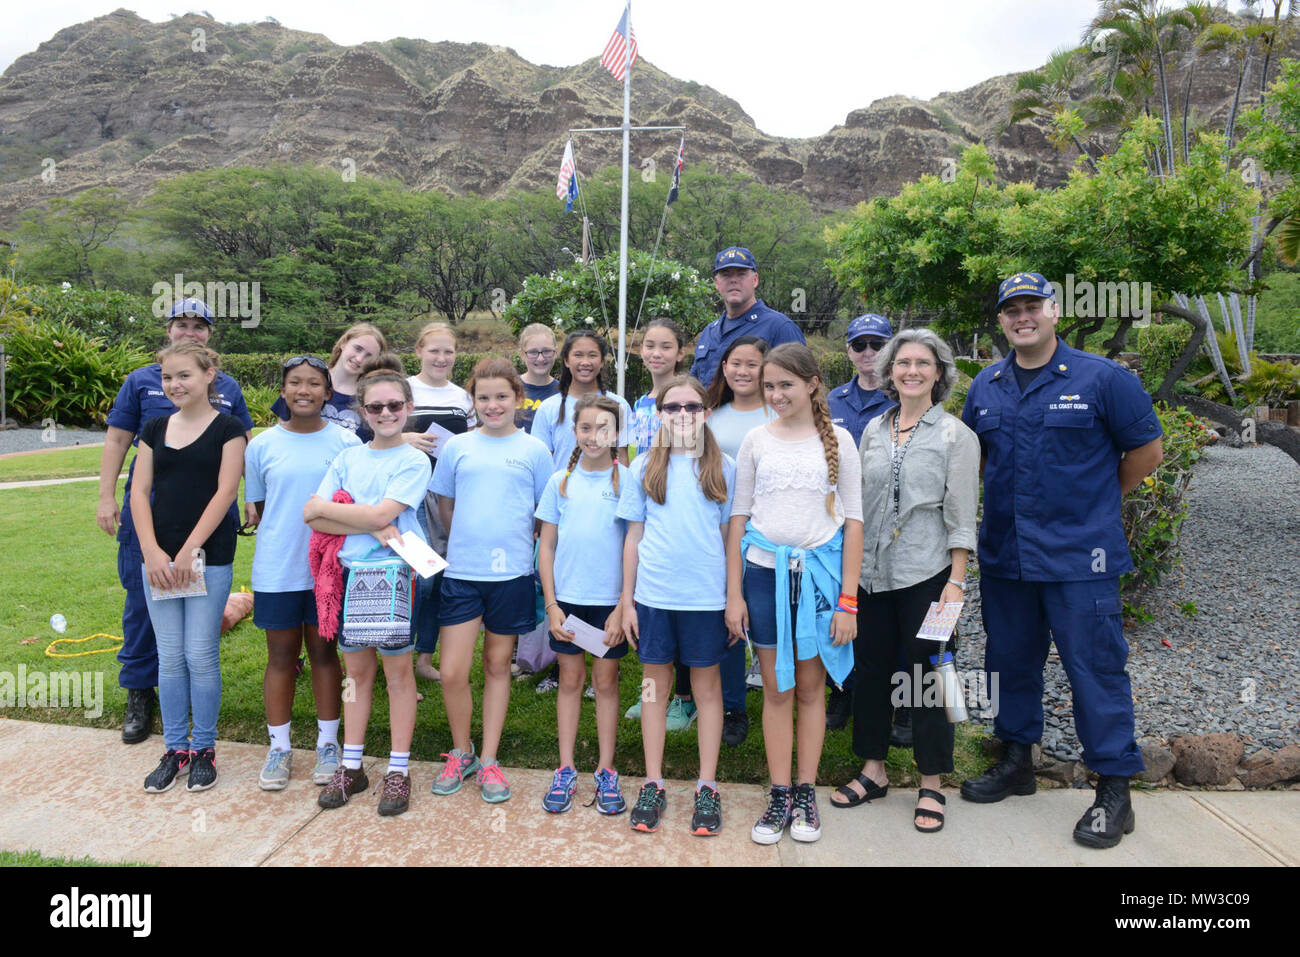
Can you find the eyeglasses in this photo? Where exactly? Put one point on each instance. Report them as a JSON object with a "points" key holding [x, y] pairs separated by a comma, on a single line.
{"points": [[690, 408], [540, 353], [394, 405], [922, 365], [862, 345], [308, 360]]}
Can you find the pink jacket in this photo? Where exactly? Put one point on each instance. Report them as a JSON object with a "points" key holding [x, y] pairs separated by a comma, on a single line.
{"points": [[323, 557]]}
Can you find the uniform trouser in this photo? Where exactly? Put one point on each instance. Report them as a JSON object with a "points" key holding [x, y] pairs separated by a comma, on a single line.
{"points": [[1083, 618], [139, 652], [887, 625]]}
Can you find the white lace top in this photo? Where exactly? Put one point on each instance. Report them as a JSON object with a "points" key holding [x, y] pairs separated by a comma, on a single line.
{"points": [[782, 487]]}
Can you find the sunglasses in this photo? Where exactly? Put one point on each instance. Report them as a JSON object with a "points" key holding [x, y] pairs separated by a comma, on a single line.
{"points": [[394, 405], [862, 345], [690, 408], [304, 360]]}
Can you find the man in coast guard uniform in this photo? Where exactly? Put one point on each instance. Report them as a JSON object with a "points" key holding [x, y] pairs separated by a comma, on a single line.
{"points": [[1064, 434], [735, 276], [140, 399]]}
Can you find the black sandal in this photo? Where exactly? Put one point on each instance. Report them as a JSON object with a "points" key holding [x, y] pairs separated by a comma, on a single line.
{"points": [[874, 792], [922, 812]]}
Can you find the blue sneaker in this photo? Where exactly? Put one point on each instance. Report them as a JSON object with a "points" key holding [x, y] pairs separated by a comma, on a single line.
{"points": [[609, 796], [560, 797], [459, 766], [327, 762]]}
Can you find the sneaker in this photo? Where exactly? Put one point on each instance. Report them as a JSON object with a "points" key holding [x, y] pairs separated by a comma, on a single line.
{"points": [[546, 684], [345, 783], [609, 795], [275, 773], [203, 770], [650, 803], [458, 767], [735, 728], [805, 822], [634, 713], [327, 762], [681, 714], [161, 778], [839, 708], [776, 818], [396, 796], [707, 819], [590, 692], [493, 783], [560, 797]]}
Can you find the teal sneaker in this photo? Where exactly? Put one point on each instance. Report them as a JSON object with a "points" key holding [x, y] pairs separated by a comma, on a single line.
{"points": [[458, 767], [634, 713], [275, 772], [681, 714], [493, 783], [327, 762]]}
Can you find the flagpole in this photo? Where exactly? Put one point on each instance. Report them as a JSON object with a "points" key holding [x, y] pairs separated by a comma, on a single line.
{"points": [[622, 232]]}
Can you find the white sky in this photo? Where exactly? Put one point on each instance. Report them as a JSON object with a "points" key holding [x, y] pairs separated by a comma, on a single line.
{"points": [[796, 67]]}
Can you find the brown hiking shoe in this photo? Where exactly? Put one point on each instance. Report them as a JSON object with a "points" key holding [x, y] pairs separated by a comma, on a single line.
{"points": [[397, 794], [345, 783]]}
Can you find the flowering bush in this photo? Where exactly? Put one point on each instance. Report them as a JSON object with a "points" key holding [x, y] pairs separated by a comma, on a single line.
{"points": [[570, 298]]}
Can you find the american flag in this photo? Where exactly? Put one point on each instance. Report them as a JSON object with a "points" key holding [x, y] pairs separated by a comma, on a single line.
{"points": [[566, 172], [616, 48], [677, 173]]}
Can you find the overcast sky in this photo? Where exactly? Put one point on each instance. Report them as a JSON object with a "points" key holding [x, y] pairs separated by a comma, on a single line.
{"points": [[796, 67]]}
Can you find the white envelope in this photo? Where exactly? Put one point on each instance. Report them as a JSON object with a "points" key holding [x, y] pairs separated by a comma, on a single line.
{"points": [[587, 637], [418, 554]]}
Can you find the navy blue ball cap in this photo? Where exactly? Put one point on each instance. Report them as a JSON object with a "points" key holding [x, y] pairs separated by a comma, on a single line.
{"points": [[191, 307], [734, 256], [1025, 284], [869, 324]]}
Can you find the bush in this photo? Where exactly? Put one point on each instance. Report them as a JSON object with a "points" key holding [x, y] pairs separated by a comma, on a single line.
{"points": [[259, 399], [1159, 345], [116, 316], [58, 372], [1153, 512]]}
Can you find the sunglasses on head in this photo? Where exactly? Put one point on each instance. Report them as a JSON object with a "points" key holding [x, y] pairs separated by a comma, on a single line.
{"points": [[393, 405], [863, 344], [690, 408], [301, 360]]}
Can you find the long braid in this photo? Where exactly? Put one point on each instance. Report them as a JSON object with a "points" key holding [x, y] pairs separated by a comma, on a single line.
{"points": [[830, 445], [568, 470]]}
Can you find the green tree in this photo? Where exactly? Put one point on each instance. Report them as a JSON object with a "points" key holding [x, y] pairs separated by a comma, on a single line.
{"points": [[68, 240]]}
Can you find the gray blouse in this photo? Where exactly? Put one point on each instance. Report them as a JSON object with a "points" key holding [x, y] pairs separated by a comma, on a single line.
{"points": [[938, 492]]}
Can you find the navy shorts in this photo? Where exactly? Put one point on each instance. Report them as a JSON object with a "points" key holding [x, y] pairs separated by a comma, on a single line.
{"points": [[507, 607], [593, 615], [759, 590], [698, 639], [284, 610]]}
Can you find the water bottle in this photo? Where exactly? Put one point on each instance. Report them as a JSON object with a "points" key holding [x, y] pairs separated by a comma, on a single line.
{"points": [[954, 698]]}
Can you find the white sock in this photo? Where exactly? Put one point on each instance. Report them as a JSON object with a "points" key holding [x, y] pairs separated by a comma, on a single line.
{"points": [[398, 761], [327, 732], [352, 756], [280, 736]]}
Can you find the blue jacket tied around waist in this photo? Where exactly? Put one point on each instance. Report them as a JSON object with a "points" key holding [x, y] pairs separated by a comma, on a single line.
{"points": [[819, 590]]}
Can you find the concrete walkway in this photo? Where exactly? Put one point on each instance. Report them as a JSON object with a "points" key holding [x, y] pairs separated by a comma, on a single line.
{"points": [[102, 811], [34, 483]]}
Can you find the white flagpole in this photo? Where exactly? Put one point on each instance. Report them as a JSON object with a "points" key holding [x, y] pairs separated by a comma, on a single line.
{"points": [[622, 236]]}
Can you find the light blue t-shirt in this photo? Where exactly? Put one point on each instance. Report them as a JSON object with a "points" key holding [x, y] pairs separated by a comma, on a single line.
{"points": [[730, 427], [371, 475], [645, 423], [559, 437], [681, 565], [589, 545], [496, 483], [283, 469]]}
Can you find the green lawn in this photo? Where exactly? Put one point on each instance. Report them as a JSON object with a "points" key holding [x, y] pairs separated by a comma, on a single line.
{"points": [[37, 859], [66, 463], [56, 560]]}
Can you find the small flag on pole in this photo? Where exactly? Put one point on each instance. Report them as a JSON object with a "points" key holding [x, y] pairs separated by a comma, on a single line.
{"points": [[677, 173], [566, 187], [616, 49]]}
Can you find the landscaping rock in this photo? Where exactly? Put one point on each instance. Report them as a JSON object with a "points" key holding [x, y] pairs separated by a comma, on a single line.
{"points": [[1207, 758], [1283, 766], [1158, 759]]}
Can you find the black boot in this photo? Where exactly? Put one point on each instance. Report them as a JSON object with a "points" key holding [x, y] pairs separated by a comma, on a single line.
{"points": [[838, 709], [139, 715], [900, 735], [1110, 817], [1014, 774]]}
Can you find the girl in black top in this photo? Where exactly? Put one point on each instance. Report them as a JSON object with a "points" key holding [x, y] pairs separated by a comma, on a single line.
{"points": [[186, 477]]}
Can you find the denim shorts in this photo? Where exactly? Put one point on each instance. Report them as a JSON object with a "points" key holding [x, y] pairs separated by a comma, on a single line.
{"points": [[698, 639], [759, 590], [507, 607], [593, 615], [284, 610], [405, 649]]}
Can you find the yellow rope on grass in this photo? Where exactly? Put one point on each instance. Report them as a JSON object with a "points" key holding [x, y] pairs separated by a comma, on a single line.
{"points": [[51, 653]]}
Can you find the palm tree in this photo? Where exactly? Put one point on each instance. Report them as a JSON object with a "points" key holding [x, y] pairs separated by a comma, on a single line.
{"points": [[1048, 91]]}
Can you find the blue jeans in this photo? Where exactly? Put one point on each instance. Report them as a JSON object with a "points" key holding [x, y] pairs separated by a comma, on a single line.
{"points": [[188, 631]]}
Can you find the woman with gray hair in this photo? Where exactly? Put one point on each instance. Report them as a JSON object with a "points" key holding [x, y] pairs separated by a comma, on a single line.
{"points": [[920, 481]]}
